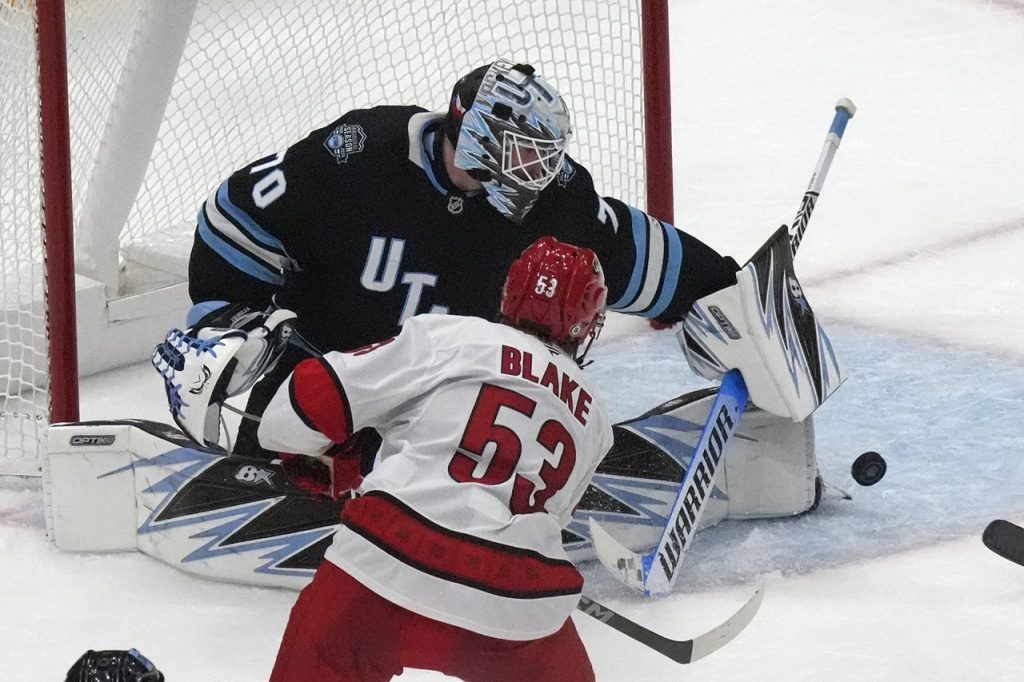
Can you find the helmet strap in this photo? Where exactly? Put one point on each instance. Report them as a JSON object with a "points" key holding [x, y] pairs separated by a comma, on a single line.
{"points": [[591, 337]]}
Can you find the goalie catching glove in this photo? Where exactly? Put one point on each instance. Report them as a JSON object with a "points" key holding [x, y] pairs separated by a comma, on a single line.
{"points": [[220, 356]]}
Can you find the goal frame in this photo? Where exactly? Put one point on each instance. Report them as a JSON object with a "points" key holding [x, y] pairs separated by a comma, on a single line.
{"points": [[58, 220]]}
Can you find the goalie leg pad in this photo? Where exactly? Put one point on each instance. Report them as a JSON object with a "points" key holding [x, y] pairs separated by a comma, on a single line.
{"points": [[764, 326], [771, 467], [769, 471]]}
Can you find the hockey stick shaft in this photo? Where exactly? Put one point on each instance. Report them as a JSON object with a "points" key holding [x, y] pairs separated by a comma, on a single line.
{"points": [[661, 565], [679, 650], [655, 572], [845, 109], [661, 575]]}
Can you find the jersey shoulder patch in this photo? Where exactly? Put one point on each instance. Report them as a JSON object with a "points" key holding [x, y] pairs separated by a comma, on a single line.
{"points": [[380, 131], [344, 140]]}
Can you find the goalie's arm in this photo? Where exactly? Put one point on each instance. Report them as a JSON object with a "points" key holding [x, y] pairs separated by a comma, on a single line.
{"points": [[264, 223], [246, 239], [212, 278], [652, 268]]}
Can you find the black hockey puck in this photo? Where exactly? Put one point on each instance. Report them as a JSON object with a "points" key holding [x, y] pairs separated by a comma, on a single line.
{"points": [[868, 469]]}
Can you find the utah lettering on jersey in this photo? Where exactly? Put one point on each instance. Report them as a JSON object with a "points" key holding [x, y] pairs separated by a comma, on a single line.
{"points": [[520, 363], [381, 271]]}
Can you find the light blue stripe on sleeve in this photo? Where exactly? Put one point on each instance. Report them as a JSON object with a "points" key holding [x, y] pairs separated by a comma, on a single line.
{"points": [[235, 257], [201, 310], [245, 222], [425, 164], [639, 221], [670, 279]]}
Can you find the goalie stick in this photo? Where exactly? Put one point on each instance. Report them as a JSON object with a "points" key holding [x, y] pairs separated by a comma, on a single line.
{"points": [[1005, 539], [656, 571], [845, 109], [679, 650]]}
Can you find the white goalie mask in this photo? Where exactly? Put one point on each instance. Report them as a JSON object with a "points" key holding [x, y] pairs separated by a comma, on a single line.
{"points": [[512, 137]]}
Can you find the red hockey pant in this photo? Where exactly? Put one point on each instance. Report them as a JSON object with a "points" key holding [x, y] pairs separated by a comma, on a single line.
{"points": [[339, 631]]}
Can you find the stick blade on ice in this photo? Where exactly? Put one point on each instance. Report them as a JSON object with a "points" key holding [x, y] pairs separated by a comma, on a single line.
{"points": [[679, 650], [715, 639], [624, 564]]}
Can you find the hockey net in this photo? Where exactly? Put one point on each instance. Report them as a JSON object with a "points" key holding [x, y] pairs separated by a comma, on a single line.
{"points": [[167, 98]]}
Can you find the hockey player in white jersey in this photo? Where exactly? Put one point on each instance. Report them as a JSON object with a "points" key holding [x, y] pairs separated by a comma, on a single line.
{"points": [[450, 556]]}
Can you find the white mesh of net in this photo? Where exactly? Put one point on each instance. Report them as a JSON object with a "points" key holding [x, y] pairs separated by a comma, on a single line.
{"points": [[23, 396], [240, 96], [254, 77]]}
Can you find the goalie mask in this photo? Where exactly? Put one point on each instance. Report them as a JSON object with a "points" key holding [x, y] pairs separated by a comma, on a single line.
{"points": [[556, 290], [510, 130]]}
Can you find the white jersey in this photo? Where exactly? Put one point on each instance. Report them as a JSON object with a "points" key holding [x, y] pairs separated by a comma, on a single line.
{"points": [[490, 438]]}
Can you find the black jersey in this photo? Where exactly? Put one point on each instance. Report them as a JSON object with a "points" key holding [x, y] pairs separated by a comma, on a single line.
{"points": [[356, 228]]}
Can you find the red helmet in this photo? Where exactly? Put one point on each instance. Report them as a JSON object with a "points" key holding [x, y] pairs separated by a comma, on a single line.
{"points": [[556, 289]]}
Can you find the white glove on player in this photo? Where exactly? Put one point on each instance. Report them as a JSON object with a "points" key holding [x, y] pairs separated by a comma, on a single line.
{"points": [[222, 355]]}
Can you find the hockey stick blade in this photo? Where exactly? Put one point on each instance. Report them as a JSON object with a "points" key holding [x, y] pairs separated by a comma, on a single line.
{"points": [[624, 563], [1005, 539], [679, 650]]}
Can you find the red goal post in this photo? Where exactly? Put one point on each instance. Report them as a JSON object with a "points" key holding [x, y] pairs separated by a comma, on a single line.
{"points": [[161, 100]]}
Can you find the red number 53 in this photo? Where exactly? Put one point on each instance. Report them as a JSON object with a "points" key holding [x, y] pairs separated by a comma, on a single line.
{"points": [[508, 448]]}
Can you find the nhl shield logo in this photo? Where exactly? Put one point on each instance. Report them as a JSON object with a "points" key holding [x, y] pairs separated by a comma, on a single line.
{"points": [[455, 205], [345, 140], [565, 174]]}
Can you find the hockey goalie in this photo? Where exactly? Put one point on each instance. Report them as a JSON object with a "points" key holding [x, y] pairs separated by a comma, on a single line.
{"points": [[181, 496], [395, 211]]}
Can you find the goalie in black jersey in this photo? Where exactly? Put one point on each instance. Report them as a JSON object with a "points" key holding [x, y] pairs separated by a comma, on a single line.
{"points": [[393, 211]]}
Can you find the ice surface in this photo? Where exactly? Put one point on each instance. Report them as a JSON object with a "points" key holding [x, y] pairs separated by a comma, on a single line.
{"points": [[911, 262]]}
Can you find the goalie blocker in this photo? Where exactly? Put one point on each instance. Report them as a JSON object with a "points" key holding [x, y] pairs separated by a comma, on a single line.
{"points": [[764, 327], [224, 352]]}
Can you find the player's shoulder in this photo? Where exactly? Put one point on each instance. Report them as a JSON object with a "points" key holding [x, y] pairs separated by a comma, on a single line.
{"points": [[440, 325], [569, 202], [363, 134], [382, 120], [466, 335]]}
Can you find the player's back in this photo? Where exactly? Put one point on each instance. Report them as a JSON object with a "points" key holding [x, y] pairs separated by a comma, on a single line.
{"points": [[482, 461], [512, 428]]}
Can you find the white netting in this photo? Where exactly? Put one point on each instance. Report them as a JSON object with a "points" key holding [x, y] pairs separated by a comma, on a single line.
{"points": [[274, 75], [255, 76], [23, 397]]}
